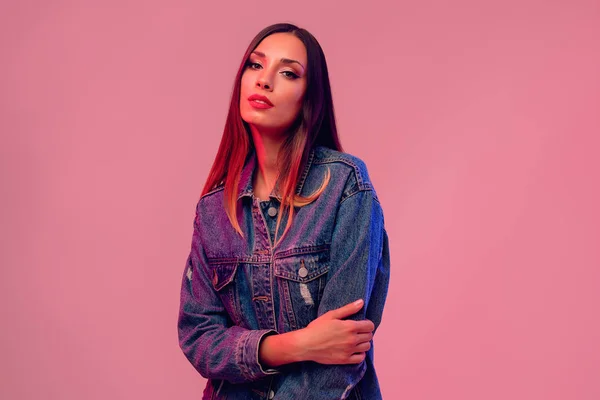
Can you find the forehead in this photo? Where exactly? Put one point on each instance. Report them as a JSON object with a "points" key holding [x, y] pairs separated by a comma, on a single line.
{"points": [[283, 45]]}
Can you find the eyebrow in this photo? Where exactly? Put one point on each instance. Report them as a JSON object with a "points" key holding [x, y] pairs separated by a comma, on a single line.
{"points": [[283, 60]]}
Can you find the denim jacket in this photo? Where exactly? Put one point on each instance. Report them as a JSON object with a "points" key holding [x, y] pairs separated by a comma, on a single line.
{"points": [[235, 290]]}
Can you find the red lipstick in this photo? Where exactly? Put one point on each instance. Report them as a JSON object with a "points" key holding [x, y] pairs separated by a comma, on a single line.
{"points": [[260, 102]]}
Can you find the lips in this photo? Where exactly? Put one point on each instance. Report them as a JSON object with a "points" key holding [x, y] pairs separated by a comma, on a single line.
{"points": [[260, 100]]}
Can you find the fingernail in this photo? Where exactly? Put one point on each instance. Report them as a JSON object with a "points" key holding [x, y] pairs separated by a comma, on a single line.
{"points": [[358, 302]]}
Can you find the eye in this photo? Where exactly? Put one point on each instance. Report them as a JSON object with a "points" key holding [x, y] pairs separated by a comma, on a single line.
{"points": [[253, 65], [289, 74]]}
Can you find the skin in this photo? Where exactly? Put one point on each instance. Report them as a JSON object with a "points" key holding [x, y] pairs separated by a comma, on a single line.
{"points": [[328, 339], [277, 69], [284, 84]]}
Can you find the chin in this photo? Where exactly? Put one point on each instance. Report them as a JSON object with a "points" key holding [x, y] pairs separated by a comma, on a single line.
{"points": [[259, 121], [263, 122]]}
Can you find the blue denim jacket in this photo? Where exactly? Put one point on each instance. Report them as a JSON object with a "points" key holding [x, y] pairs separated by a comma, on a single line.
{"points": [[235, 290]]}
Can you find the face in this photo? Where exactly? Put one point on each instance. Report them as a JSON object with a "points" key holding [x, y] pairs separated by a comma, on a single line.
{"points": [[273, 83]]}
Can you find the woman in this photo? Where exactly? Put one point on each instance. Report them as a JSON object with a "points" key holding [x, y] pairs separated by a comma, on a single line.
{"points": [[288, 234]]}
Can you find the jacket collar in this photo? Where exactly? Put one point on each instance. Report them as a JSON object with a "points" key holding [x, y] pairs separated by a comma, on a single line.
{"points": [[245, 188], [245, 185]]}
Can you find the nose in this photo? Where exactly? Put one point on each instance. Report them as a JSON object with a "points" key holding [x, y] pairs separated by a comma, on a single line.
{"points": [[264, 81]]}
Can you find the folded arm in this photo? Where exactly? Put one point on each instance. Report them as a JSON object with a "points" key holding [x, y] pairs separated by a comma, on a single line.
{"points": [[359, 269]]}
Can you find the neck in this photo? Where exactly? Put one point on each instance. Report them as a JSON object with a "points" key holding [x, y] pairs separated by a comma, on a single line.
{"points": [[267, 149]]}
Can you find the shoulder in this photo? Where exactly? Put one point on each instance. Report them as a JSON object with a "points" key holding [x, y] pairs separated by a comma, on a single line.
{"points": [[355, 167], [215, 192], [211, 201]]}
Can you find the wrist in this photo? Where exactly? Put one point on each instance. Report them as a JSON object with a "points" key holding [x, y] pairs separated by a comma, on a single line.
{"points": [[284, 348], [297, 342]]}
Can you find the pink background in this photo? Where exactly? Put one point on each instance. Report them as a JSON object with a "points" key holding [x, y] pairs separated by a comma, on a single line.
{"points": [[479, 124]]}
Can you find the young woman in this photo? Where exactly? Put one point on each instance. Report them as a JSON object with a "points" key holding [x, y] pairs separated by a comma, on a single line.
{"points": [[288, 271]]}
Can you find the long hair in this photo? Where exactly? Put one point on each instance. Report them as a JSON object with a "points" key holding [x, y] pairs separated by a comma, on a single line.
{"points": [[315, 125]]}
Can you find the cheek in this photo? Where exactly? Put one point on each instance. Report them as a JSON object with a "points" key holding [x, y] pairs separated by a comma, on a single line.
{"points": [[292, 108], [297, 101]]}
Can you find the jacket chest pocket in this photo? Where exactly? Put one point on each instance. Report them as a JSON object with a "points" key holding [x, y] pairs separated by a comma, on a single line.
{"points": [[301, 277], [223, 279]]}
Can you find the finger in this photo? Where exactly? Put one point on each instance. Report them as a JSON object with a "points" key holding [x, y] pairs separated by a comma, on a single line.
{"points": [[356, 358], [364, 326], [347, 310], [364, 337], [362, 347]]}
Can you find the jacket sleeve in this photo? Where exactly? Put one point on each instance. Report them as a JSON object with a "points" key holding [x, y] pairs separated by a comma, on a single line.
{"points": [[359, 268], [216, 347]]}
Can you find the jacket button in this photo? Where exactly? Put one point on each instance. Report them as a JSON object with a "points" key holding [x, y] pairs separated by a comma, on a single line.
{"points": [[302, 272], [272, 211], [271, 394]]}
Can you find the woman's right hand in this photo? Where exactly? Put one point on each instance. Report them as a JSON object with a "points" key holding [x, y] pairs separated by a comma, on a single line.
{"points": [[330, 339]]}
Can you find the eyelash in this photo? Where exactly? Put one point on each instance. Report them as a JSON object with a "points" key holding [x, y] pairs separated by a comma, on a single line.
{"points": [[291, 76]]}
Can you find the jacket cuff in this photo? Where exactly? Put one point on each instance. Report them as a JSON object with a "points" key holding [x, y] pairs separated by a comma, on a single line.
{"points": [[247, 354]]}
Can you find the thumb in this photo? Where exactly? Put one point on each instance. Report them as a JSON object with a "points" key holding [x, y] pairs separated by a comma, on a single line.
{"points": [[347, 310]]}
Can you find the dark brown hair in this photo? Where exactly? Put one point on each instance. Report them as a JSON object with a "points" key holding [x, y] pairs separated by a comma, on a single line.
{"points": [[315, 125]]}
